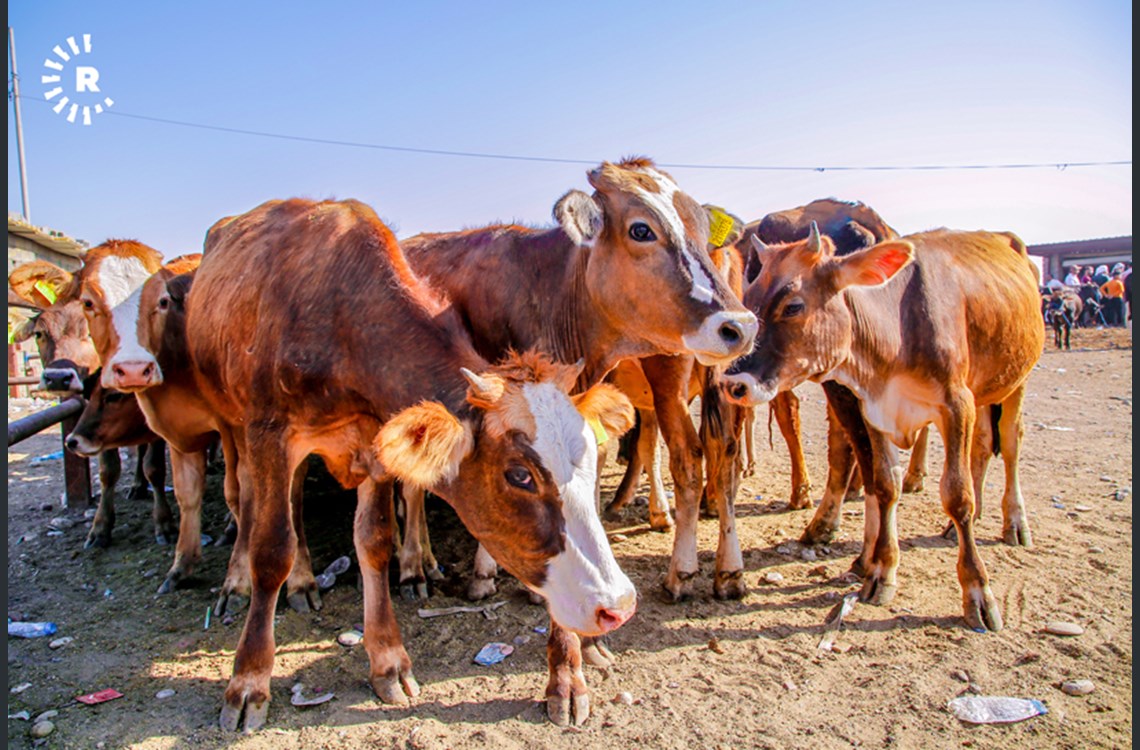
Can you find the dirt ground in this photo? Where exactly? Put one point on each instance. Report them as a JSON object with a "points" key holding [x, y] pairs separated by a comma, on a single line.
{"points": [[700, 674]]}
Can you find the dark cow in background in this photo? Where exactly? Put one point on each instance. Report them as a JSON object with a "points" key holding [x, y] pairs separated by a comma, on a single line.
{"points": [[1062, 310], [380, 379], [932, 328], [626, 274]]}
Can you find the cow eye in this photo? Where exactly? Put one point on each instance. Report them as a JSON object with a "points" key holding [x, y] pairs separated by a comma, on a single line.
{"points": [[793, 308], [88, 304], [640, 232], [164, 303], [520, 476]]}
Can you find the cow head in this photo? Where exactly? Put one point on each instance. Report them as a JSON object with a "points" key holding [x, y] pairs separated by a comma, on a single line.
{"points": [[649, 273], [56, 324], [147, 328], [519, 467], [805, 323], [110, 419]]}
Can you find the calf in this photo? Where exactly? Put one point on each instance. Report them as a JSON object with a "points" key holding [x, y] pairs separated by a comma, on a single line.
{"points": [[342, 351], [1062, 311], [932, 328]]}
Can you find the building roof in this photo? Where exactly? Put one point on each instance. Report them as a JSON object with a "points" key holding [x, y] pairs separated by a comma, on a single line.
{"points": [[1083, 247], [49, 238]]}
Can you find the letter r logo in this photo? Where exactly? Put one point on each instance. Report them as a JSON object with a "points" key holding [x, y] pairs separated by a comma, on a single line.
{"points": [[86, 79]]}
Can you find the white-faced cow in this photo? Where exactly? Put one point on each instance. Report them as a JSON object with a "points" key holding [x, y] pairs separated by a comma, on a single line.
{"points": [[934, 328], [339, 349], [625, 274]]}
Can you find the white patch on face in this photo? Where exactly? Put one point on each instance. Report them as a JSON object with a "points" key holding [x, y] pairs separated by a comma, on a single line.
{"points": [[125, 323], [662, 205], [744, 389], [585, 575], [118, 277]]}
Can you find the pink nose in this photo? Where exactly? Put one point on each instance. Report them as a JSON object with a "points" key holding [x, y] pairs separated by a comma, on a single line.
{"points": [[126, 375], [612, 619]]}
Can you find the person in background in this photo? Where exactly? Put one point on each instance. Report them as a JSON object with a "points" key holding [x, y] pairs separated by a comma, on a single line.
{"points": [[1101, 275], [1073, 279], [1113, 292], [1086, 275]]}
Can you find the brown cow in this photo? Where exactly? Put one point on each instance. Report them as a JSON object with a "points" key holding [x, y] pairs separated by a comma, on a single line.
{"points": [[626, 274], [113, 420], [933, 328], [339, 338]]}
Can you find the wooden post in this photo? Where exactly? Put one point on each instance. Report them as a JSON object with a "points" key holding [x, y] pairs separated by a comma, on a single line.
{"points": [[76, 470]]}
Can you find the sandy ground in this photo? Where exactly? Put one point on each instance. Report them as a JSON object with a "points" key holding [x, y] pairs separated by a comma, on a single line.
{"points": [[700, 674]]}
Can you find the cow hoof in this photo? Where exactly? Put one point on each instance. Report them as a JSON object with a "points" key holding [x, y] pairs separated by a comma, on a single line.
{"points": [[304, 599], [535, 598], [413, 590], [730, 585], [480, 588], [662, 523], [98, 538], [230, 603], [254, 711], [819, 533], [914, 483], [169, 583], [597, 654], [1018, 536], [161, 539], [139, 492], [877, 591], [853, 496], [678, 586], [396, 689], [565, 711], [434, 573], [950, 532], [229, 536], [801, 497], [981, 611]]}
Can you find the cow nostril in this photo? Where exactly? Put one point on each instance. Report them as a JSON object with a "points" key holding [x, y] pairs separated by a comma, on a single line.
{"points": [[72, 444], [118, 371], [609, 619], [731, 332], [739, 390], [147, 371]]}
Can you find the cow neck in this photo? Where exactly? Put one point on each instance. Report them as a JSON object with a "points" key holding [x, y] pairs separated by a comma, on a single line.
{"points": [[573, 329], [876, 338]]}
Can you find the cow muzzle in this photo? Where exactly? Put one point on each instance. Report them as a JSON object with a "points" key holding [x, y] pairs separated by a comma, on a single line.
{"points": [[61, 380], [132, 376], [722, 337], [743, 389]]}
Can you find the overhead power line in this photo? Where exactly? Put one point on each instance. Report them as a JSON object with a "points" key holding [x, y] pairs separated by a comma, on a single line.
{"points": [[562, 160]]}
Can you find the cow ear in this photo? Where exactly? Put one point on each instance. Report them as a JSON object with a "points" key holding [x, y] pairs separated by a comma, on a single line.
{"points": [[424, 444], [21, 324], [606, 406], [580, 217], [39, 282], [874, 265], [855, 236], [179, 286]]}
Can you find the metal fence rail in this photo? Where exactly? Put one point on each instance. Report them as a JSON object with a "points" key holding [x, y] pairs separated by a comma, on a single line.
{"points": [[76, 469]]}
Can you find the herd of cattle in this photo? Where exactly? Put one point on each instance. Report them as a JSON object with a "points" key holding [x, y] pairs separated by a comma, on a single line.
{"points": [[493, 366]]}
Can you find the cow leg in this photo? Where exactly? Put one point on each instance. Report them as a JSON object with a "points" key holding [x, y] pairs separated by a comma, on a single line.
{"points": [[238, 489], [482, 582], [152, 457], [880, 558], [110, 467], [978, 603], [138, 490], [413, 584], [189, 483], [272, 548], [567, 697], [787, 408], [649, 455], [669, 378], [1015, 523], [390, 668], [301, 589], [749, 441], [629, 480], [721, 423], [824, 525], [915, 478]]}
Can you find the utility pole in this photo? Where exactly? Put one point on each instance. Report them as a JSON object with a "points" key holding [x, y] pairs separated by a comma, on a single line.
{"points": [[15, 96]]}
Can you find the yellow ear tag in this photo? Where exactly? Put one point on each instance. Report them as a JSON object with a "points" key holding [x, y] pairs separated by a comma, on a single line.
{"points": [[720, 224], [46, 290], [600, 433], [11, 335]]}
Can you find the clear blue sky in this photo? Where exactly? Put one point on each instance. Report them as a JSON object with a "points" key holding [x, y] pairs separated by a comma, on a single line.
{"points": [[764, 83]]}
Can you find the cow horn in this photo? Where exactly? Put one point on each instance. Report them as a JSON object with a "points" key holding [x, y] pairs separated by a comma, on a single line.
{"points": [[813, 238], [482, 388]]}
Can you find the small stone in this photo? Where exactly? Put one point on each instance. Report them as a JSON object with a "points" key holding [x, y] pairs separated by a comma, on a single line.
{"points": [[1077, 687], [51, 714], [840, 648], [20, 688], [150, 573], [625, 698], [1096, 551], [60, 642], [960, 676], [42, 729], [164, 694], [47, 507], [90, 513], [61, 522], [1105, 478], [618, 537], [808, 555], [771, 578], [673, 685], [1122, 493], [1063, 628], [784, 549], [825, 551], [349, 638], [715, 647], [1028, 658], [789, 685], [819, 571], [521, 640], [20, 716], [1083, 508]]}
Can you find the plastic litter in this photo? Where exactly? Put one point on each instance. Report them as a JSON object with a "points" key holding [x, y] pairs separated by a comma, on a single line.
{"points": [[338, 566], [31, 629], [207, 540], [487, 610], [835, 619], [101, 696], [982, 709], [299, 700], [21, 716], [47, 457], [493, 653]]}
